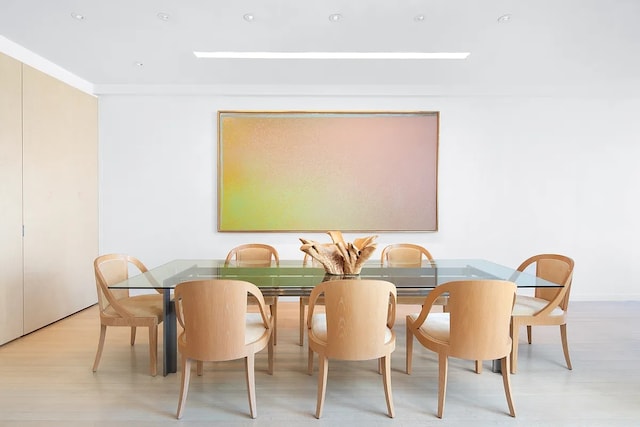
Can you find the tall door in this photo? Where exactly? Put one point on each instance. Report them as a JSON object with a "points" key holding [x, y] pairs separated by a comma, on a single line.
{"points": [[60, 157], [10, 199]]}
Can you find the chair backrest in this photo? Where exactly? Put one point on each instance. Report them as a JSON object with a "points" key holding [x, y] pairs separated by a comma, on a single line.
{"points": [[555, 268], [110, 269], [359, 313], [253, 255], [480, 317], [213, 315], [404, 255]]}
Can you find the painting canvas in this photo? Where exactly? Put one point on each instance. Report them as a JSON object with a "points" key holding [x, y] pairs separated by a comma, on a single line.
{"points": [[319, 171]]}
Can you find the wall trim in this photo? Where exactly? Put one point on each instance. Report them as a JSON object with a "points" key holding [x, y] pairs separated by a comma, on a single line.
{"points": [[36, 61]]}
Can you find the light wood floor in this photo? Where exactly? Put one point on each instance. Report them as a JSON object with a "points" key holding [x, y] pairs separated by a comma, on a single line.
{"points": [[46, 380]]}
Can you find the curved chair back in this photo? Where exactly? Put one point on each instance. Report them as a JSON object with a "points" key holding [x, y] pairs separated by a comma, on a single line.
{"points": [[555, 268], [110, 269], [480, 315], [358, 315], [213, 315], [404, 255], [253, 255]]}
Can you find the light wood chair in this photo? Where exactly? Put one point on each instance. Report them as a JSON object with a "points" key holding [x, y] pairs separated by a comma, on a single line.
{"points": [[258, 255], [117, 308], [548, 306], [404, 255], [408, 255], [217, 327], [357, 325], [476, 327]]}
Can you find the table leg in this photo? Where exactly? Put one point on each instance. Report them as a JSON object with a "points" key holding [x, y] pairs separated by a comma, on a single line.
{"points": [[170, 352]]}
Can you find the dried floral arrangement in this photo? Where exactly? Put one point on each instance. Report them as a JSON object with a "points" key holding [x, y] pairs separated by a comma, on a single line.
{"points": [[340, 258]]}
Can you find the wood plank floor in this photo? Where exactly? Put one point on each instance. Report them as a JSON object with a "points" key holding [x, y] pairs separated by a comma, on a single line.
{"points": [[46, 380]]}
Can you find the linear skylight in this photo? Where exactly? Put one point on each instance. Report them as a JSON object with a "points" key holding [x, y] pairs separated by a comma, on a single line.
{"points": [[332, 55]]}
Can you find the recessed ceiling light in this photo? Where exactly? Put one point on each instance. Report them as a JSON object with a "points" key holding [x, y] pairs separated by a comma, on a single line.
{"points": [[139, 64], [504, 18], [332, 55], [163, 16], [77, 16], [335, 17], [419, 18], [249, 17]]}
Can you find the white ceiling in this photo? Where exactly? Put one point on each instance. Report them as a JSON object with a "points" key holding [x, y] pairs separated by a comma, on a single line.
{"points": [[576, 44]]}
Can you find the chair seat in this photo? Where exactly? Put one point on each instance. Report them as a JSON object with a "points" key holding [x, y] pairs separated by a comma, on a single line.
{"points": [[319, 328], [436, 325], [528, 306], [140, 306], [255, 328]]}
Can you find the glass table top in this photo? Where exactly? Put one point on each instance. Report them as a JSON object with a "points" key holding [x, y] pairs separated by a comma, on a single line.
{"points": [[292, 278]]}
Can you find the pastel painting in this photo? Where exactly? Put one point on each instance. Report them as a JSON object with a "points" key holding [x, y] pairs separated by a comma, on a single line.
{"points": [[318, 171]]}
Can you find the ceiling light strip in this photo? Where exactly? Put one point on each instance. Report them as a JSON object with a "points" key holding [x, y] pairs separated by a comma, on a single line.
{"points": [[332, 55]]}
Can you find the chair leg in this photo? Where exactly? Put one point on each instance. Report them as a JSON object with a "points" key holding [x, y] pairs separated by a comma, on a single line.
{"points": [[409, 355], [504, 364], [515, 327], [199, 368], [103, 333], [529, 334], [478, 366], [386, 381], [443, 365], [270, 356], [302, 322], [153, 350], [565, 345], [133, 335], [310, 362], [249, 364], [322, 383], [273, 308], [184, 385]]}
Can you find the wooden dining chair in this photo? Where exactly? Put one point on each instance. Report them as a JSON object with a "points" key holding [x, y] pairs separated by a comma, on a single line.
{"points": [[548, 306], [118, 308], [404, 255], [257, 255], [408, 255], [476, 327], [217, 327], [357, 325]]}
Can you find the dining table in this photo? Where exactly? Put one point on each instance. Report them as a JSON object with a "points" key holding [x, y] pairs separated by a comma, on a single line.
{"points": [[293, 278]]}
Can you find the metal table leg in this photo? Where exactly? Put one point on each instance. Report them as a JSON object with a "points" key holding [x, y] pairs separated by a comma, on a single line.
{"points": [[169, 339]]}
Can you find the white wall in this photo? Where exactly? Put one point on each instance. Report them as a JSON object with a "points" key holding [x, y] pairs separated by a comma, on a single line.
{"points": [[517, 176]]}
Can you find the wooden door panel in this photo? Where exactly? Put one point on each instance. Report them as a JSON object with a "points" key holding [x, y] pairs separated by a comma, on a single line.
{"points": [[60, 198], [11, 199]]}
